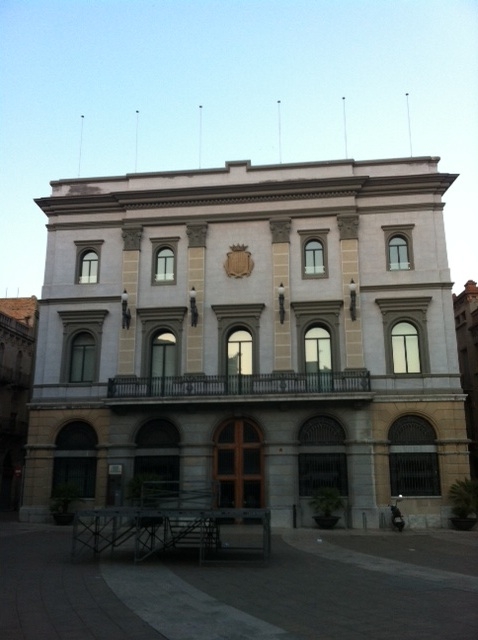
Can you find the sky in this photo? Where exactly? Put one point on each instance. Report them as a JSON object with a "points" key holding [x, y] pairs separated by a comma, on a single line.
{"points": [[109, 87]]}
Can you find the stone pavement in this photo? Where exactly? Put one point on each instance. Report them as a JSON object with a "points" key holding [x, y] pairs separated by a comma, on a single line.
{"points": [[335, 585]]}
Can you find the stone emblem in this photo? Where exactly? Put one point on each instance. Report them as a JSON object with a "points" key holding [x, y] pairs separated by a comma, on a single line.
{"points": [[239, 263]]}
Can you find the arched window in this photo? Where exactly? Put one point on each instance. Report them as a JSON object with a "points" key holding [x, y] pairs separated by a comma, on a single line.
{"points": [[75, 458], [322, 459], [88, 268], [239, 361], [318, 353], [164, 270], [413, 458], [239, 353], [157, 452], [405, 348], [398, 254], [318, 359], [83, 358], [314, 263], [163, 355]]}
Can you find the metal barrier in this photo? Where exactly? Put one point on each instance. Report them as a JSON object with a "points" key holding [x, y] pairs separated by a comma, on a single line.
{"points": [[156, 531]]}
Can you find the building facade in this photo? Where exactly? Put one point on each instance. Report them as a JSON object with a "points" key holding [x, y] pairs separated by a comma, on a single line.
{"points": [[17, 348], [465, 305], [268, 329]]}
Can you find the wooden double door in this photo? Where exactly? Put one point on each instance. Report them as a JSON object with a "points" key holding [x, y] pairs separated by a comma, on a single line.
{"points": [[239, 464]]}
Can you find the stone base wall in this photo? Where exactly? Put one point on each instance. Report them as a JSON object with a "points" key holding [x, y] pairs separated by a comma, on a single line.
{"points": [[366, 448]]}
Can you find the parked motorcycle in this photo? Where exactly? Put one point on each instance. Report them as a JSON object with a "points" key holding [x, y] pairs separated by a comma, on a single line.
{"points": [[398, 521]]}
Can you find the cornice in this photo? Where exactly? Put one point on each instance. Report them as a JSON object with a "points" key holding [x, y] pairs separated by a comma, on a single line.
{"points": [[90, 299], [436, 183], [267, 191], [90, 200], [375, 288]]}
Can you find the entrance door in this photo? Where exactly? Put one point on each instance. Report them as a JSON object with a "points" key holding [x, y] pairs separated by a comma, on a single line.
{"points": [[238, 465]]}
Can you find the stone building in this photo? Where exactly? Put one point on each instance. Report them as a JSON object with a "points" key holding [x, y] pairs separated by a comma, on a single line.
{"points": [[465, 305], [269, 329], [17, 346]]}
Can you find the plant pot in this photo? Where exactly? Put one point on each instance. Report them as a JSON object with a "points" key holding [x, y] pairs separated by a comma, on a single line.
{"points": [[326, 522], [63, 518], [463, 524]]}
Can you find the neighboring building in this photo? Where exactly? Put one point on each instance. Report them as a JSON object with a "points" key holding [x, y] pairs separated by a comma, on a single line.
{"points": [[272, 329], [17, 346], [465, 305]]}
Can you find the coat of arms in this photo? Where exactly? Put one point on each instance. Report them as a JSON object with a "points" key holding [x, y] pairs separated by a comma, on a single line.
{"points": [[239, 262]]}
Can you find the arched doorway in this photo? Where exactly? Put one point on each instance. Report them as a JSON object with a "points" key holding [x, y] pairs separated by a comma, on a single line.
{"points": [[239, 465]]}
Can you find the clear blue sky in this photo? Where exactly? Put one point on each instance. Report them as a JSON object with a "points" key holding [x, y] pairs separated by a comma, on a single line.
{"points": [[107, 59]]}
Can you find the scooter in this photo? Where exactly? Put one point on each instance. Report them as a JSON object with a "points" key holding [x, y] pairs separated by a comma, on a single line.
{"points": [[398, 521]]}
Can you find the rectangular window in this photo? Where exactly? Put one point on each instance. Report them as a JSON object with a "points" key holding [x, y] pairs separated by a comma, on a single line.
{"points": [[406, 355], [79, 471], [414, 474], [318, 470], [83, 363]]}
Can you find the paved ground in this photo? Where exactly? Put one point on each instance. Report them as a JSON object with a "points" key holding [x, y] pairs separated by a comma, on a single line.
{"points": [[336, 585]]}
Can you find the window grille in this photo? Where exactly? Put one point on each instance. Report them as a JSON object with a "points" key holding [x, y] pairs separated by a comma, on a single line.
{"points": [[414, 469], [326, 467], [78, 471], [317, 470], [414, 474]]}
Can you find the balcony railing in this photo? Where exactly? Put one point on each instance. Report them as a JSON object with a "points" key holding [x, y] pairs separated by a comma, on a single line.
{"points": [[350, 381]]}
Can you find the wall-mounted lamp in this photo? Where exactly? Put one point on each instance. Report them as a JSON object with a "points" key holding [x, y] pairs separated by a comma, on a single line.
{"points": [[126, 311], [194, 309], [353, 300], [281, 291]]}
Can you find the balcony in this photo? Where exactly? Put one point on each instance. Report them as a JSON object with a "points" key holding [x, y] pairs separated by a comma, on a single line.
{"points": [[289, 384]]}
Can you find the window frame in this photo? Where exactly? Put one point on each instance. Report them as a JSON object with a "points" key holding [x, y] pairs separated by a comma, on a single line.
{"points": [[82, 248], [322, 445], [414, 312], [88, 352], [74, 323], [404, 347], [73, 456], [154, 321], [158, 244], [307, 236], [232, 317], [403, 231], [164, 453], [324, 314], [412, 445]]}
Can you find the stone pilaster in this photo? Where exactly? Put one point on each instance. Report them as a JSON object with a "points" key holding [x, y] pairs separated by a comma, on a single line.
{"points": [[280, 230], [127, 337], [197, 233], [349, 255]]}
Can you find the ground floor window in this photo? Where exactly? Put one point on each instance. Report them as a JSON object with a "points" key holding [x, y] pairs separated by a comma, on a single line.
{"points": [[414, 474], [317, 470], [78, 471], [157, 451], [75, 457], [413, 458], [166, 467], [322, 458]]}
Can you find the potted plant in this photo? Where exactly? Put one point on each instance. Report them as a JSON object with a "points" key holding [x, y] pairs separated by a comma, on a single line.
{"points": [[324, 502], [463, 496], [62, 496]]}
